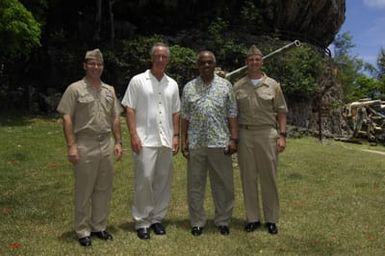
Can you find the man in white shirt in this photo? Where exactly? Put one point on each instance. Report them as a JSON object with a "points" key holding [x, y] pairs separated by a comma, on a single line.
{"points": [[152, 115]]}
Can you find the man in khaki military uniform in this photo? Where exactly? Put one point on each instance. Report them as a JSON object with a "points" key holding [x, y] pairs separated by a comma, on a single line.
{"points": [[91, 126], [262, 115]]}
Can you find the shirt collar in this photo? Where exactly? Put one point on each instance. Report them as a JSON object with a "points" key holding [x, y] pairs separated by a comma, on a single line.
{"points": [[149, 75], [261, 83], [85, 82]]}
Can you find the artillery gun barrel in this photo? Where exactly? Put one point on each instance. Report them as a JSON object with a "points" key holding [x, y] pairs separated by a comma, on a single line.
{"points": [[365, 103], [294, 43]]}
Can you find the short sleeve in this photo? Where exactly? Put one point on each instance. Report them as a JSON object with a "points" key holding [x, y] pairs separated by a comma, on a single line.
{"points": [[279, 101], [130, 98], [68, 101]]}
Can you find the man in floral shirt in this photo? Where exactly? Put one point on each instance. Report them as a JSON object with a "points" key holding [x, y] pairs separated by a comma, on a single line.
{"points": [[209, 137]]}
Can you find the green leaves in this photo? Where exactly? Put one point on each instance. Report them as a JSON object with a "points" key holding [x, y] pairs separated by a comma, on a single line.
{"points": [[297, 70], [19, 31], [356, 84]]}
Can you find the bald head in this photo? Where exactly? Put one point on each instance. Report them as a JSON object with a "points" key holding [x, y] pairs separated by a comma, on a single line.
{"points": [[206, 53]]}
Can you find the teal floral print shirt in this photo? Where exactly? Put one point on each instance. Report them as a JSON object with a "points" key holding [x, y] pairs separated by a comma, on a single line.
{"points": [[207, 109]]}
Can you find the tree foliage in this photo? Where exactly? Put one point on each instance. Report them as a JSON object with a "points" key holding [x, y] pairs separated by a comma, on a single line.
{"points": [[350, 67], [381, 64], [298, 71], [352, 75], [19, 31], [125, 31]]}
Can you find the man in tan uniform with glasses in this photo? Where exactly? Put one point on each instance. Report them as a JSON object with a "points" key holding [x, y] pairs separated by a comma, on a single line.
{"points": [[262, 114], [91, 126]]}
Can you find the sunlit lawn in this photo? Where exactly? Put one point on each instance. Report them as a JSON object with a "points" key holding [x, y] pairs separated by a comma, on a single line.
{"points": [[332, 202]]}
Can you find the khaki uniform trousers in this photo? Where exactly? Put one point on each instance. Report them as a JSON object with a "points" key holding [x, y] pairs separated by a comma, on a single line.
{"points": [[257, 158], [153, 175], [220, 169], [93, 183]]}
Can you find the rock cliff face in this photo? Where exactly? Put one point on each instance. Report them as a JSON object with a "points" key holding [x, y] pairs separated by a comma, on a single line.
{"points": [[313, 21], [316, 21]]}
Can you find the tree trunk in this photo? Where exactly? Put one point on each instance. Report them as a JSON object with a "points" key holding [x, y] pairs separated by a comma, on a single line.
{"points": [[112, 25], [98, 21]]}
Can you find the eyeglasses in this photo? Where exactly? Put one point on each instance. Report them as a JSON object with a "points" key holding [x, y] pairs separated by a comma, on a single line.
{"points": [[94, 64]]}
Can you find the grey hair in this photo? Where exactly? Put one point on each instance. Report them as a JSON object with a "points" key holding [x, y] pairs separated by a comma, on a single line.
{"points": [[159, 44]]}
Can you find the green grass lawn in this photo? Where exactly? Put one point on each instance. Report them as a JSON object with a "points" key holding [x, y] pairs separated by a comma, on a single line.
{"points": [[332, 202]]}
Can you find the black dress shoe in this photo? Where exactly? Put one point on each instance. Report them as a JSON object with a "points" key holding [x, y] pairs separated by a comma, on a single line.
{"points": [[224, 230], [158, 228], [252, 226], [272, 228], [143, 233], [85, 241], [197, 231], [104, 235]]}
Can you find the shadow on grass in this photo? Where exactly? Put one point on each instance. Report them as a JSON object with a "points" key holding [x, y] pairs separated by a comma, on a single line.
{"points": [[70, 236], [67, 236], [184, 224]]}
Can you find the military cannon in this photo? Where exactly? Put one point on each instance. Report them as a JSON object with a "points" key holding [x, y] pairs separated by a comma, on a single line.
{"points": [[240, 71], [366, 119]]}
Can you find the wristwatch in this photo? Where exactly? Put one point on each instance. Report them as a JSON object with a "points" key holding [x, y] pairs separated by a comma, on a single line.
{"points": [[283, 134]]}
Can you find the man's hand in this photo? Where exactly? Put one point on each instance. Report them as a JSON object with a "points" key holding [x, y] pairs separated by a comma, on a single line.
{"points": [[185, 150], [231, 148], [73, 154], [175, 145], [281, 144], [136, 144], [118, 151]]}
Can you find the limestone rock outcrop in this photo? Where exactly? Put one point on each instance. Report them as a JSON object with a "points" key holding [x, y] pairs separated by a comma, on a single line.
{"points": [[316, 22]]}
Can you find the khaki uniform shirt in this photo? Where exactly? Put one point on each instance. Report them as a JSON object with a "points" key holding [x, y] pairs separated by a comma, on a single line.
{"points": [[92, 110], [259, 105]]}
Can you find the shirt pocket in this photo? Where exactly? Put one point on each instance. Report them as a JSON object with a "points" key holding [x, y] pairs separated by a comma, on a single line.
{"points": [[85, 103], [265, 98], [108, 104], [243, 100]]}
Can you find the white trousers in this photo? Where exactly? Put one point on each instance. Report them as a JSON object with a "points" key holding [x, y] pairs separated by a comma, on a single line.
{"points": [[153, 175]]}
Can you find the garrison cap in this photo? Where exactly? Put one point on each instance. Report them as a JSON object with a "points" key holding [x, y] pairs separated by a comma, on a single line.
{"points": [[253, 51], [94, 54]]}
